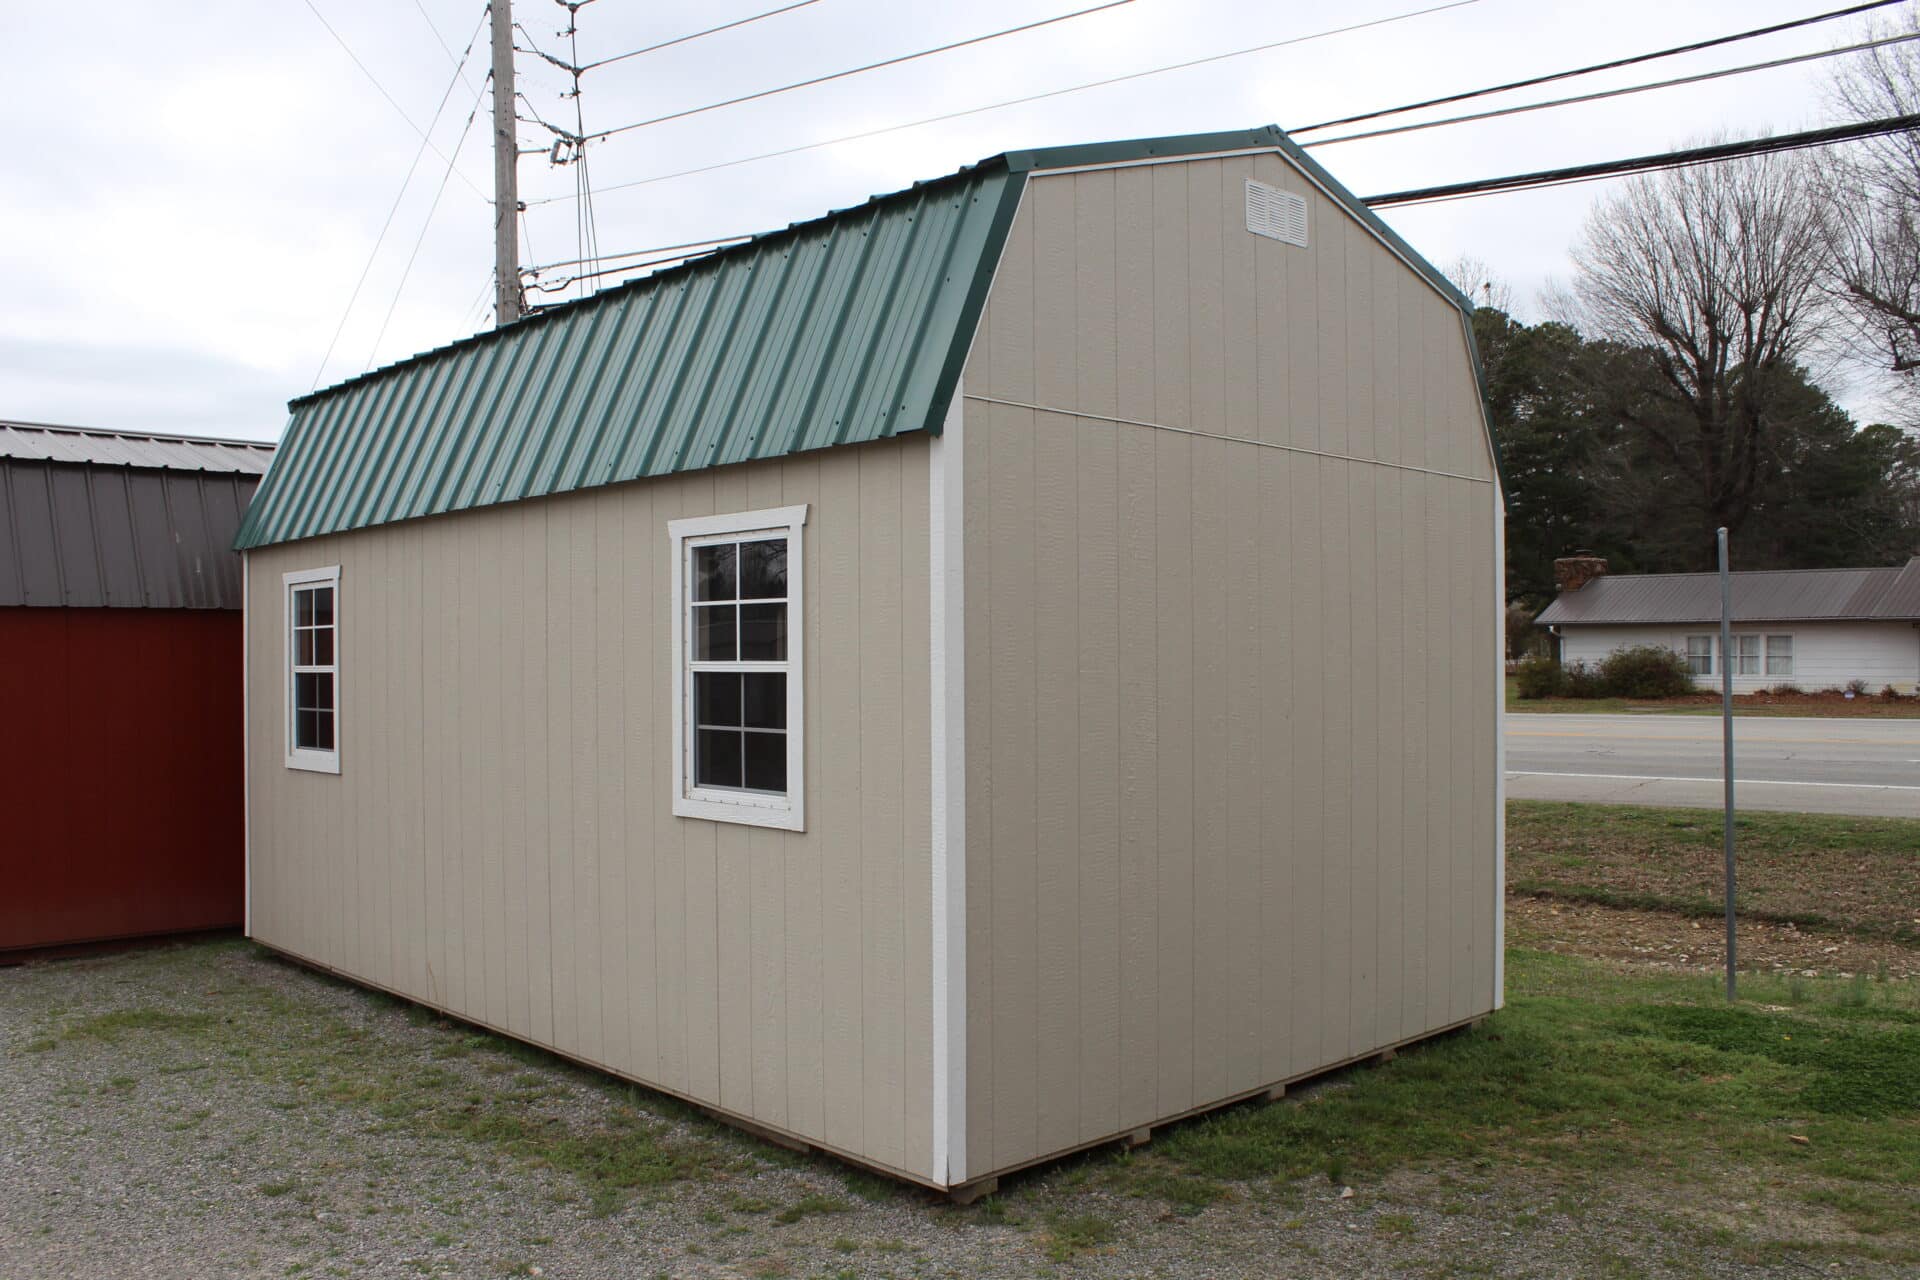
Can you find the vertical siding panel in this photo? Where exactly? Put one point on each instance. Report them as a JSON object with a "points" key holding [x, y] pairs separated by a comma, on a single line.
{"points": [[1416, 390], [1240, 362], [563, 671], [1307, 828], [470, 753], [541, 727], [1362, 516], [1483, 653], [1389, 391], [583, 860], [800, 857], [1014, 803], [882, 822], [366, 628], [1337, 848], [670, 851], [489, 638], [1206, 292], [1133, 288], [1094, 291], [1246, 766], [702, 900], [837, 815], [1442, 779], [1390, 751], [1463, 660], [1173, 614], [1211, 756], [1305, 427], [515, 765], [613, 667], [1056, 755], [1362, 371], [1137, 593], [1172, 336], [1097, 755], [1278, 674], [1331, 308], [444, 568], [916, 800], [648, 729], [1416, 805], [1056, 658]]}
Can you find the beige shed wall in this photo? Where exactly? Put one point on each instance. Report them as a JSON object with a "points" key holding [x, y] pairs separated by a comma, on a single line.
{"points": [[500, 843], [1230, 708]]}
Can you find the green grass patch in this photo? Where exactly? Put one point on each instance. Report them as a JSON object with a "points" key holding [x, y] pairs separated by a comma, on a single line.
{"points": [[1594, 1070], [1070, 1233], [811, 1206], [107, 1027]]}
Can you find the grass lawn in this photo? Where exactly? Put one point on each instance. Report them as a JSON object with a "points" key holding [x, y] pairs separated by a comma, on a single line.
{"points": [[1709, 705]]}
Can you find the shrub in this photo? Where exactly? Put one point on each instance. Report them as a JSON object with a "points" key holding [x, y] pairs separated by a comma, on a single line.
{"points": [[1891, 694], [1644, 671], [1539, 676], [1584, 681], [1787, 690], [1857, 687]]}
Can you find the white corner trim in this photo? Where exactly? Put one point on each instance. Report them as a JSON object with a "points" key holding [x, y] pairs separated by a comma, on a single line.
{"points": [[305, 759], [788, 812], [246, 751], [946, 581], [1500, 748]]}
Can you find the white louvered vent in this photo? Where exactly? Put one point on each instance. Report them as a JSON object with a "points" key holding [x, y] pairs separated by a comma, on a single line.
{"points": [[1276, 214]]}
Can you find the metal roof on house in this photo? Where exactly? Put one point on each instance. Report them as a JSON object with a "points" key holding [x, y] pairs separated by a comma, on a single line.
{"points": [[849, 328], [41, 442], [1787, 595]]}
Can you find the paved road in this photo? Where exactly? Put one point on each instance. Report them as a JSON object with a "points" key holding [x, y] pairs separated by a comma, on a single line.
{"points": [[1868, 767]]}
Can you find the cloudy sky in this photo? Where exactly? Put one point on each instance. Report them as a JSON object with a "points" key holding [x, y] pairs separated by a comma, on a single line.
{"points": [[192, 191]]}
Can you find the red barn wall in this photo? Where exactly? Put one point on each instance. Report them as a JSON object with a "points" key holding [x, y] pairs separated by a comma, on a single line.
{"points": [[121, 796]]}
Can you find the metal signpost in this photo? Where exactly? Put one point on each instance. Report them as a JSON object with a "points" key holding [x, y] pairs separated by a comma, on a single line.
{"points": [[1726, 734]]}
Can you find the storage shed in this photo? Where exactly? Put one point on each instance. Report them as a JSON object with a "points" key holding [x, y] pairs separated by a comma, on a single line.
{"points": [[967, 678], [120, 695]]}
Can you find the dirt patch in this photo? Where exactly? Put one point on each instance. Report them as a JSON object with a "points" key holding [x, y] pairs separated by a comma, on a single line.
{"points": [[1665, 940]]}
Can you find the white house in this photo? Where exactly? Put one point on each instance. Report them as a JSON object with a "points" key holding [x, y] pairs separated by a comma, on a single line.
{"points": [[1814, 628]]}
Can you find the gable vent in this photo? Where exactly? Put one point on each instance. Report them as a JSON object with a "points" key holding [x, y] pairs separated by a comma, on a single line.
{"points": [[1276, 214]]}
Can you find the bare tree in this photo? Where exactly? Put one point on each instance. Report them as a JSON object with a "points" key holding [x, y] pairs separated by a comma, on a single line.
{"points": [[1873, 187], [1717, 274], [1473, 277]]}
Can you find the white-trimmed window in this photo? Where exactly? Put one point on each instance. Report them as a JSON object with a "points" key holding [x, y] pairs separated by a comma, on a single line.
{"points": [[738, 698], [1779, 655], [1745, 658], [1700, 655], [313, 669]]}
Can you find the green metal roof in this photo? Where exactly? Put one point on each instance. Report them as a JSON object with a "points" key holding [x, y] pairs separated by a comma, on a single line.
{"points": [[846, 329]]}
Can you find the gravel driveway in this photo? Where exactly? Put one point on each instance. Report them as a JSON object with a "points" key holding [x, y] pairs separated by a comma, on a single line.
{"points": [[209, 1110]]}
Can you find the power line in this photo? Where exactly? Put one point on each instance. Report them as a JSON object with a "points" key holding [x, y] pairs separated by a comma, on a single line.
{"points": [[1616, 93], [398, 196], [854, 71], [1601, 66], [1682, 159], [725, 26], [424, 226], [375, 82], [1032, 97], [638, 253]]}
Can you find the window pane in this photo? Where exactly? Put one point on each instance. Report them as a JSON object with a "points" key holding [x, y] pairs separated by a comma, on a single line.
{"points": [[765, 701], [716, 698], [717, 758], [1779, 655], [306, 693], [303, 647], [713, 572], [763, 569], [713, 633], [323, 732], [306, 729], [323, 646], [763, 632], [767, 761], [302, 607], [323, 606]]}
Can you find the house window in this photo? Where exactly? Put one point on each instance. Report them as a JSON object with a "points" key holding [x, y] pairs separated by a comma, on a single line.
{"points": [[313, 669], [1700, 655], [738, 697], [1745, 660], [1779, 655]]}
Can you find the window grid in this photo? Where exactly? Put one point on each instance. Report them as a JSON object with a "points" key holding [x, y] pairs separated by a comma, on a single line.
{"points": [[313, 670], [737, 629], [1779, 655], [1700, 655], [1745, 659]]}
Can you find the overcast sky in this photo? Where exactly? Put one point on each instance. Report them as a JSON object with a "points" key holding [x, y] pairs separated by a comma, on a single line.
{"points": [[192, 190]]}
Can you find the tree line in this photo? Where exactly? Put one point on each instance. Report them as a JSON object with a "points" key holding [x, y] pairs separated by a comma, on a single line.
{"points": [[1678, 387]]}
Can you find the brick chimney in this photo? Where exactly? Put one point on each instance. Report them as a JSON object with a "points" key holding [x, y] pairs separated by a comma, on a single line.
{"points": [[1570, 573]]}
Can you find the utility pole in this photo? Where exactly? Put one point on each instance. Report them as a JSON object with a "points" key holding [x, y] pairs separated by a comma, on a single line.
{"points": [[506, 176]]}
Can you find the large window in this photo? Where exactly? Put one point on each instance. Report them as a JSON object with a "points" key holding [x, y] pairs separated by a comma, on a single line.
{"points": [[738, 702], [313, 669], [1700, 655], [1745, 660], [1779, 655]]}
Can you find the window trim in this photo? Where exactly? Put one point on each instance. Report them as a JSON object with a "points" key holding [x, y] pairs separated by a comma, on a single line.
{"points": [[1739, 655], [309, 759], [1767, 654], [758, 809]]}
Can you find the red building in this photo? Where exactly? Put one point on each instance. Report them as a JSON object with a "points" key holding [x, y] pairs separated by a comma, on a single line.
{"points": [[121, 785]]}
